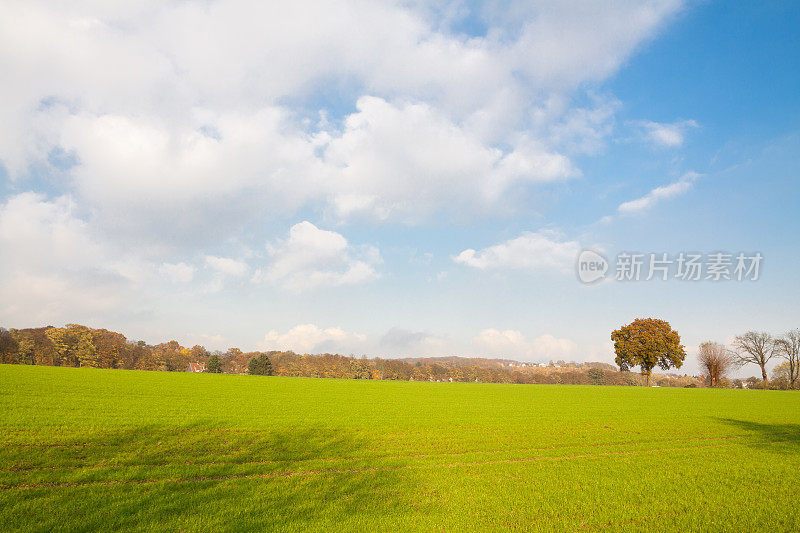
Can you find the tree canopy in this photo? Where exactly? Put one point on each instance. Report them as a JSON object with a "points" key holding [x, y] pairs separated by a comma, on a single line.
{"points": [[756, 347], [214, 365], [647, 343], [76, 345], [260, 366], [788, 347]]}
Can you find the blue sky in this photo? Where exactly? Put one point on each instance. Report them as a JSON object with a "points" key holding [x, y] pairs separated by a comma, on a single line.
{"points": [[396, 179]]}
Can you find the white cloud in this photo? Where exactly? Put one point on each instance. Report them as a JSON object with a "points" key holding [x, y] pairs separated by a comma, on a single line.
{"points": [[544, 250], [39, 233], [177, 272], [224, 271], [309, 338], [667, 135], [640, 205], [188, 176], [580, 130], [311, 257], [53, 267], [601, 35], [188, 126], [513, 344], [226, 265], [549, 347], [405, 160], [196, 128]]}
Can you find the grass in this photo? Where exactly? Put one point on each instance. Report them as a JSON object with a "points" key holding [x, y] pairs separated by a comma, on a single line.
{"points": [[84, 449]]}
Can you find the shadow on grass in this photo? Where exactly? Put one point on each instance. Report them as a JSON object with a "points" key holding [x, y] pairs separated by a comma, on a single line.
{"points": [[204, 478], [787, 435], [196, 443]]}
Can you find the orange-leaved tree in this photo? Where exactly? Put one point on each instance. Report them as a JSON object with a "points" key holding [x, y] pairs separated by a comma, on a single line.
{"points": [[647, 343]]}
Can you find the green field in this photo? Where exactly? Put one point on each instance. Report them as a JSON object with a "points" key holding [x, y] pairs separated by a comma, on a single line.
{"points": [[85, 449]]}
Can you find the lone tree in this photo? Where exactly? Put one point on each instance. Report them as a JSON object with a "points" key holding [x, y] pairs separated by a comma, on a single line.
{"points": [[757, 348], [647, 343], [715, 361], [788, 347], [260, 366], [214, 365]]}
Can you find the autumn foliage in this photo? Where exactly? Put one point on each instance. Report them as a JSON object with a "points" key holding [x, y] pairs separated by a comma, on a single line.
{"points": [[647, 343], [81, 346]]}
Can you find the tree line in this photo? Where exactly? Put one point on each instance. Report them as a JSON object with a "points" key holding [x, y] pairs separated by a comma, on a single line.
{"points": [[650, 342], [80, 346], [754, 348]]}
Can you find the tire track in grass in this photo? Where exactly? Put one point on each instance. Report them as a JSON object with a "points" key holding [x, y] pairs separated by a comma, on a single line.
{"points": [[299, 473], [116, 444], [365, 458]]}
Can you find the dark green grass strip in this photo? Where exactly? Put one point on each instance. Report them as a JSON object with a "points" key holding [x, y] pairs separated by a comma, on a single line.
{"points": [[291, 473]]}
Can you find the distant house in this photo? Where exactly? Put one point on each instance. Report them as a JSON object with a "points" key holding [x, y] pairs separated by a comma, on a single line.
{"points": [[196, 367]]}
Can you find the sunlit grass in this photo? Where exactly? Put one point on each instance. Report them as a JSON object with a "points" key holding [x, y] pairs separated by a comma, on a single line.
{"points": [[85, 449]]}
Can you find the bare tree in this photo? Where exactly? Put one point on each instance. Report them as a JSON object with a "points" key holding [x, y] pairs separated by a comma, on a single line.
{"points": [[788, 347], [716, 361], [756, 347]]}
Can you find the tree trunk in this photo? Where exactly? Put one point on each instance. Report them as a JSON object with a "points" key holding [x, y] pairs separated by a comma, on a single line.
{"points": [[647, 377], [764, 375]]}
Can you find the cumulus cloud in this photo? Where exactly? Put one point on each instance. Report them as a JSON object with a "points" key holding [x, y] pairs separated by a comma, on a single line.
{"points": [[309, 338], [543, 250], [404, 160], [180, 127], [646, 202], [174, 111], [177, 272], [311, 257], [129, 163], [513, 344], [666, 135]]}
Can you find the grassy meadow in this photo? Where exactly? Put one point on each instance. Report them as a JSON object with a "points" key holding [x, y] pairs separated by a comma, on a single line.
{"points": [[85, 449]]}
